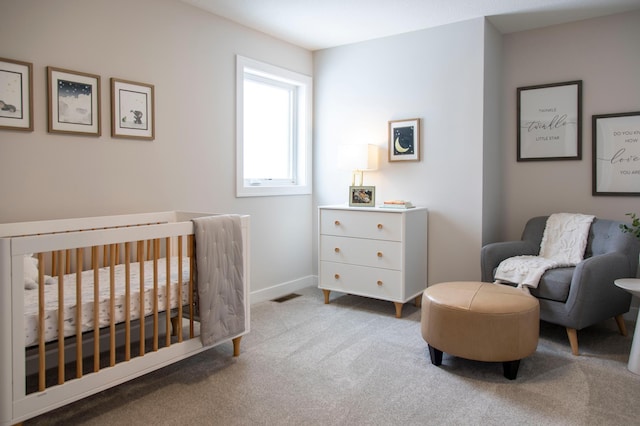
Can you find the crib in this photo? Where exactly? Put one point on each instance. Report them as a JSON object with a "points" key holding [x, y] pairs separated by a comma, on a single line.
{"points": [[115, 298]]}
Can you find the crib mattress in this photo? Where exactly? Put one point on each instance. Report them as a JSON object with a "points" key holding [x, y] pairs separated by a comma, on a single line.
{"points": [[87, 298]]}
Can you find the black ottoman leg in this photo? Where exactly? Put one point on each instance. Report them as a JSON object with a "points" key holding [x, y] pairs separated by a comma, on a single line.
{"points": [[510, 369], [436, 355]]}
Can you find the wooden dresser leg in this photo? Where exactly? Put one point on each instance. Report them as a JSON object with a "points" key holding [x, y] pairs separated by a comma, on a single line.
{"points": [[418, 301], [572, 333], [621, 325], [326, 296], [236, 346], [398, 309]]}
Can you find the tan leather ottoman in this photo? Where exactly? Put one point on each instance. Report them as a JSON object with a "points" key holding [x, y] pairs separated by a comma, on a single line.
{"points": [[480, 321]]}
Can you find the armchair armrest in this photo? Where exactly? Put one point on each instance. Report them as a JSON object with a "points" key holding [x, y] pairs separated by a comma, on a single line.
{"points": [[492, 254], [593, 296]]}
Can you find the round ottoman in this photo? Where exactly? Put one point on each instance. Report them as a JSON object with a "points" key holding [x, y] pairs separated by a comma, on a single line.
{"points": [[480, 321]]}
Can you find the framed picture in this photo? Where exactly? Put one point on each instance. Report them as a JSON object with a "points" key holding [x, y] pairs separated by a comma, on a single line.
{"points": [[132, 110], [16, 95], [74, 102], [616, 154], [404, 140], [362, 196], [550, 122]]}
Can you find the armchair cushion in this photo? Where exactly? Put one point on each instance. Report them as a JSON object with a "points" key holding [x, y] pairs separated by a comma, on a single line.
{"points": [[554, 284]]}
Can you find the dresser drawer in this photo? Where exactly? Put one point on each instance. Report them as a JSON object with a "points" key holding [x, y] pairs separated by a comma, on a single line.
{"points": [[378, 283], [364, 252], [373, 225]]}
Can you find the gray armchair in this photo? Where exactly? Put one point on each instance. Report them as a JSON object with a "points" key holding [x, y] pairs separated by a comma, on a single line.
{"points": [[579, 296]]}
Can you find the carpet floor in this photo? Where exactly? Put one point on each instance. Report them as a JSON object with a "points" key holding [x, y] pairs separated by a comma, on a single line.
{"points": [[353, 363]]}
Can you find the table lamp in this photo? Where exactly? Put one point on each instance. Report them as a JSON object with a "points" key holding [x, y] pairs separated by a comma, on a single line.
{"points": [[358, 159]]}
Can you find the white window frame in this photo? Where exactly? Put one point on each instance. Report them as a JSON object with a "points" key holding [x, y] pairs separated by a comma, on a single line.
{"points": [[302, 134]]}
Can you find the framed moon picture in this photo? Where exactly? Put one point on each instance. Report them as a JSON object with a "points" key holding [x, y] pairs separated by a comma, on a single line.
{"points": [[74, 102], [404, 140]]}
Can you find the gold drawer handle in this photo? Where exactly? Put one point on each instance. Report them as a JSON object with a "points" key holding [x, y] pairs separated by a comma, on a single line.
{"points": [[379, 226], [336, 276], [379, 254], [379, 283], [336, 223], [337, 249]]}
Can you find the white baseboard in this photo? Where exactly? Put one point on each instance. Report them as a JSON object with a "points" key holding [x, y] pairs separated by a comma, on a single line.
{"points": [[283, 289]]}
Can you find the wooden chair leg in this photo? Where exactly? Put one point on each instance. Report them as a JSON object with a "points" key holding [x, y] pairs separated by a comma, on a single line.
{"points": [[621, 325], [572, 333]]}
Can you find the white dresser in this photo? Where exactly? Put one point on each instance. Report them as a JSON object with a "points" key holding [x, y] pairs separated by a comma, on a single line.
{"points": [[375, 252]]}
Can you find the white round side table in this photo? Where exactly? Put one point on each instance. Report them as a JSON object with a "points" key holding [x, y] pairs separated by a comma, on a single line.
{"points": [[632, 285]]}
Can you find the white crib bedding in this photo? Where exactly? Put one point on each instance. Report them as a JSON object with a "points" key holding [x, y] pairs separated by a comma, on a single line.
{"points": [[51, 298]]}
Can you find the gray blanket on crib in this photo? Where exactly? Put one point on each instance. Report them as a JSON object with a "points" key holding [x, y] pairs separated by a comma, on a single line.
{"points": [[219, 277]]}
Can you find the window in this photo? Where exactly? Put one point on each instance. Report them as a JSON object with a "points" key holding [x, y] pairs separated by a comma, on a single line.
{"points": [[273, 130]]}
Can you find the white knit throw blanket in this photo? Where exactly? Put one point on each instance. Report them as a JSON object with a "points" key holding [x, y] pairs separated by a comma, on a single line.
{"points": [[563, 244]]}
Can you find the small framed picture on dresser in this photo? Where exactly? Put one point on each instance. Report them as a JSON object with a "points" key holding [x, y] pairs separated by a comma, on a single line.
{"points": [[362, 196]]}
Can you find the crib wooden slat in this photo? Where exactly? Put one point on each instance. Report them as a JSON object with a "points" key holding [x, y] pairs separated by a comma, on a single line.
{"points": [[191, 243], [41, 348], [54, 263], [141, 302], [179, 321], [112, 305], [60, 319], [156, 249], [96, 308], [79, 312], [167, 307], [127, 302], [67, 265]]}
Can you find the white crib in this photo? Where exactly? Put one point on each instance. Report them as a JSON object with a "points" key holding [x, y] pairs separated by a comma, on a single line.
{"points": [[131, 264]]}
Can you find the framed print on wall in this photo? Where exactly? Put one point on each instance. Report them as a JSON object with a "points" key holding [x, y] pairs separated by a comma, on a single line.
{"points": [[132, 110], [550, 122], [404, 140], [616, 154], [74, 102], [16, 95], [362, 196]]}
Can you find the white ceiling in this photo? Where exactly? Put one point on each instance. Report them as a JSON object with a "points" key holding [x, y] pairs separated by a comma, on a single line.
{"points": [[318, 24]]}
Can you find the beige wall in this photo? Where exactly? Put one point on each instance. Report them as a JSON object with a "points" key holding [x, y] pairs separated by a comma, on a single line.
{"points": [[604, 54], [189, 55], [435, 75]]}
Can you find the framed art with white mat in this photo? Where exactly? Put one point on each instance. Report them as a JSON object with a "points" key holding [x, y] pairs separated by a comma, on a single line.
{"points": [[616, 154]]}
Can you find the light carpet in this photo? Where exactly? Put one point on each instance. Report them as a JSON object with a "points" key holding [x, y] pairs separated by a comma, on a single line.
{"points": [[353, 363]]}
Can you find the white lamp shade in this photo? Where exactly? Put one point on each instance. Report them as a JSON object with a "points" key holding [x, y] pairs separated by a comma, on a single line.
{"points": [[358, 157]]}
